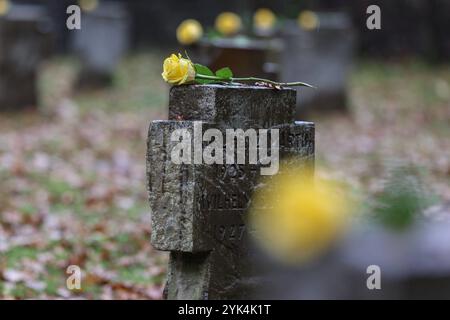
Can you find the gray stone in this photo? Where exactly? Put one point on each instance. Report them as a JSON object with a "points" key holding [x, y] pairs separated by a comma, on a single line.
{"points": [[101, 43], [24, 42], [199, 210], [174, 191], [233, 106], [321, 57]]}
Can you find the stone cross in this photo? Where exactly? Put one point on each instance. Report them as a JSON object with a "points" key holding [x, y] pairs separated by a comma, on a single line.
{"points": [[199, 210]]}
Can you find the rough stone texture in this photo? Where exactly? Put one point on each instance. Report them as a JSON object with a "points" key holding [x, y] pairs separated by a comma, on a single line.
{"points": [[322, 58], [180, 224], [24, 43], [199, 210], [233, 106]]}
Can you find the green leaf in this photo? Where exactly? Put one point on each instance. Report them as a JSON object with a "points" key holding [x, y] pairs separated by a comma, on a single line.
{"points": [[200, 69], [212, 34], [401, 201], [203, 70], [224, 73]]}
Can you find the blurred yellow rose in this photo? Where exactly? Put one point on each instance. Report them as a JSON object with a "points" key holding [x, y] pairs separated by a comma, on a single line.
{"points": [[264, 19], [228, 23], [88, 5], [308, 20], [178, 70], [4, 7], [189, 31], [296, 217]]}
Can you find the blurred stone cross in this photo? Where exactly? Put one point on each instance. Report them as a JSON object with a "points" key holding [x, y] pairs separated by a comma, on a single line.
{"points": [[325, 47], [25, 41], [198, 209]]}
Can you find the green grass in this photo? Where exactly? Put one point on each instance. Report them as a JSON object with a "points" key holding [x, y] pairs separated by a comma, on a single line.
{"points": [[15, 255], [136, 85]]}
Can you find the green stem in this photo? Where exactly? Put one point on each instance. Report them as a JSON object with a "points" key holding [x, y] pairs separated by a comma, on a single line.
{"points": [[282, 84]]}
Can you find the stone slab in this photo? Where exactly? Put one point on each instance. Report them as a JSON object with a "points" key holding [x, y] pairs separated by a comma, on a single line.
{"points": [[232, 106]]}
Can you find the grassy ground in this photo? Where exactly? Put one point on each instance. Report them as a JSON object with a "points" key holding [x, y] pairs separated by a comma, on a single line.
{"points": [[400, 116], [73, 176]]}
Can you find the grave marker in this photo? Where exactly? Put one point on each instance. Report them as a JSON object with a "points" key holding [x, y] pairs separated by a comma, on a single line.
{"points": [[323, 57], [101, 42], [199, 210], [24, 42]]}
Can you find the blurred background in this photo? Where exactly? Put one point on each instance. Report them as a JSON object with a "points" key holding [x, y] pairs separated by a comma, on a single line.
{"points": [[75, 106]]}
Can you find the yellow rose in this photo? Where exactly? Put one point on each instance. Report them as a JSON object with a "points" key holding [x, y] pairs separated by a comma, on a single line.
{"points": [[178, 70], [296, 217], [189, 31], [264, 19], [228, 23], [4, 7], [308, 20], [88, 5]]}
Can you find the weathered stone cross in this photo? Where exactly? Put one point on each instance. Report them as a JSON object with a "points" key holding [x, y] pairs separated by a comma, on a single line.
{"points": [[199, 210]]}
